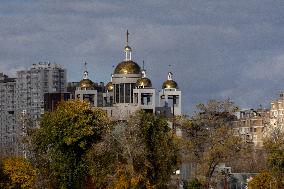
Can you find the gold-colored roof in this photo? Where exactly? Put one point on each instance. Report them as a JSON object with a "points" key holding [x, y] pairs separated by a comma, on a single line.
{"points": [[143, 82], [86, 84], [127, 67], [109, 87], [170, 84], [127, 48]]}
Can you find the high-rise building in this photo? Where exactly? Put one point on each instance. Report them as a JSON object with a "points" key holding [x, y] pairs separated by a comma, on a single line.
{"points": [[8, 126], [22, 98], [32, 84]]}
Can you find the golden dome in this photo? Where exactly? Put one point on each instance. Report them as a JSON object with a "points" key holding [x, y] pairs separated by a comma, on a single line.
{"points": [[127, 67], [127, 48], [109, 87], [143, 82], [170, 84], [86, 84]]}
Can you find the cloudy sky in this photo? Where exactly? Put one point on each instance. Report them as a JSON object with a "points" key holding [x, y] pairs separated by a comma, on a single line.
{"points": [[218, 49]]}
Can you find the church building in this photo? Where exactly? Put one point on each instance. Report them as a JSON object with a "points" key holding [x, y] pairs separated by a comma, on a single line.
{"points": [[130, 90]]}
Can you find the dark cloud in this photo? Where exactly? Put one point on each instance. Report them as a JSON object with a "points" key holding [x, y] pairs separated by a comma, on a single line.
{"points": [[217, 48]]}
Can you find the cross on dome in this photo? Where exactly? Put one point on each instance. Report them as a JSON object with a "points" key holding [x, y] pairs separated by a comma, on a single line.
{"points": [[85, 72], [143, 71], [170, 76], [127, 48]]}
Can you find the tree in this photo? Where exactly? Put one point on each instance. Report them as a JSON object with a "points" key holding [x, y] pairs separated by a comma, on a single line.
{"points": [[139, 153], [274, 147], [263, 180], [4, 178], [61, 142], [195, 184], [209, 138], [19, 173]]}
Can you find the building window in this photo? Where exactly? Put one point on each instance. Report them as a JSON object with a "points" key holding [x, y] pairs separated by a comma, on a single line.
{"points": [[127, 93], [121, 93], [116, 93]]}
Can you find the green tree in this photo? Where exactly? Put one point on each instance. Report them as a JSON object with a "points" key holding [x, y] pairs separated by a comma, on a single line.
{"points": [[139, 153], [195, 184], [209, 138], [63, 139], [161, 152]]}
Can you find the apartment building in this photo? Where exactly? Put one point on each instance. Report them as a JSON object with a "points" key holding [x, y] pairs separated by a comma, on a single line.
{"points": [[8, 126], [22, 98], [277, 113], [32, 84], [252, 125]]}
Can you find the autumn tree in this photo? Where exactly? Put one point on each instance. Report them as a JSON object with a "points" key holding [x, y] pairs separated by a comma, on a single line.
{"points": [[4, 178], [19, 173], [274, 147], [263, 180], [209, 138], [60, 143], [139, 153]]}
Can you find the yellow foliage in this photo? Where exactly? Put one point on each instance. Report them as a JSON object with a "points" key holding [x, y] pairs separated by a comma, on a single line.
{"points": [[262, 180], [125, 180], [149, 186], [20, 172], [134, 181]]}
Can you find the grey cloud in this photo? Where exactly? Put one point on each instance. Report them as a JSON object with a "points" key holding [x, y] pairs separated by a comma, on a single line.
{"points": [[217, 48]]}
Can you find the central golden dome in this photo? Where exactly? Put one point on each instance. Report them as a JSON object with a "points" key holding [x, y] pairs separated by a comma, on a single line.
{"points": [[170, 84], [86, 84], [143, 82], [127, 67]]}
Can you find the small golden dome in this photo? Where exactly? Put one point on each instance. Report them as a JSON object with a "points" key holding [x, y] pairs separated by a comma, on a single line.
{"points": [[127, 48], [109, 87], [143, 82], [170, 84], [127, 67], [86, 84]]}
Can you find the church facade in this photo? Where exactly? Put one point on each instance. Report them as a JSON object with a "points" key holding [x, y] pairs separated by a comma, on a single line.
{"points": [[130, 90]]}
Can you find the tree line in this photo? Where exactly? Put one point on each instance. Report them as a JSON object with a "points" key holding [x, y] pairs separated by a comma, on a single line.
{"points": [[77, 146]]}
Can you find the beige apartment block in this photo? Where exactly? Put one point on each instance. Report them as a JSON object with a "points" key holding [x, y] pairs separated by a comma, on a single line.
{"points": [[252, 125], [277, 113]]}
